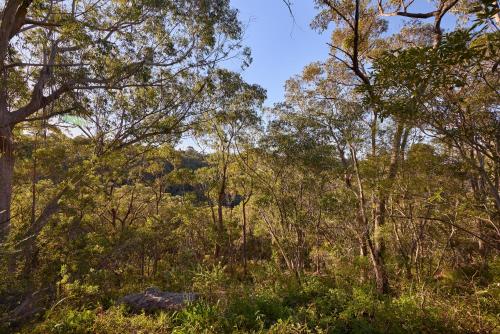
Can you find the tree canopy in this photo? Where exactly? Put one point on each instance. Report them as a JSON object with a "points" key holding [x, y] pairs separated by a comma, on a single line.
{"points": [[367, 200]]}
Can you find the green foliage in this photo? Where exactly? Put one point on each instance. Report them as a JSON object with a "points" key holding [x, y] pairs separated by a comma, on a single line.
{"points": [[316, 306], [200, 318], [68, 321], [365, 202], [210, 280]]}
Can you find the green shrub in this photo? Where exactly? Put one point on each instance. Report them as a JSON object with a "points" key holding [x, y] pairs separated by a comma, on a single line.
{"points": [[66, 321], [256, 312], [116, 320], [285, 306], [200, 317]]}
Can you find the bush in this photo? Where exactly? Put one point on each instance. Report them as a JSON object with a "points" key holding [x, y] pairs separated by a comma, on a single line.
{"points": [[67, 321], [201, 317], [284, 306]]}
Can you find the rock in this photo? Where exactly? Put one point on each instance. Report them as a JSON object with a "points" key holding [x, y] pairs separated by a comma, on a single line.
{"points": [[154, 299]]}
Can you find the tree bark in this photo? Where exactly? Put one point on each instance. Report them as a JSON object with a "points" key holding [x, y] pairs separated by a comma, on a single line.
{"points": [[245, 257], [6, 178], [13, 17], [380, 207], [378, 265], [220, 214], [381, 280]]}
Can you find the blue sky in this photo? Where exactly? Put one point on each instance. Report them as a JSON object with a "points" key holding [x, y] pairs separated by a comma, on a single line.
{"points": [[281, 47]]}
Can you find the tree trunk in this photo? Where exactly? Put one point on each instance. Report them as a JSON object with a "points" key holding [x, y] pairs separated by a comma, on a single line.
{"points": [[380, 203], [216, 228], [363, 251], [379, 270], [379, 244], [381, 280], [219, 249], [6, 178], [220, 215], [244, 203]]}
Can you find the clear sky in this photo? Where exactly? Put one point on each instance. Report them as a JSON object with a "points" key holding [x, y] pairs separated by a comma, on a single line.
{"points": [[281, 47]]}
